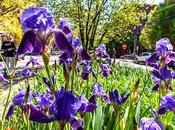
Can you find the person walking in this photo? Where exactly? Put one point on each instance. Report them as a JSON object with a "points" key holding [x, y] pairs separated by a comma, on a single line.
{"points": [[9, 48]]}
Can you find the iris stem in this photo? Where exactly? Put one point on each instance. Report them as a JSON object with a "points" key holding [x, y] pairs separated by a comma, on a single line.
{"points": [[87, 88], [62, 126], [51, 82], [4, 63], [116, 113], [160, 91], [66, 73], [72, 80], [7, 101]]}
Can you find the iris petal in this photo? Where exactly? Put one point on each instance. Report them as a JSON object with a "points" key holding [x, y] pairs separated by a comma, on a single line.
{"points": [[38, 116], [10, 112], [151, 124], [66, 106], [62, 43], [29, 44], [83, 54]]}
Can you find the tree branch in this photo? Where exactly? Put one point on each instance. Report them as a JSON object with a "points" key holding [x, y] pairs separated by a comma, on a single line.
{"points": [[5, 10]]}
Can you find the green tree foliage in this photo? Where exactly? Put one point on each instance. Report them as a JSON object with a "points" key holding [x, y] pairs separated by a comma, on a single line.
{"points": [[10, 11], [125, 19], [90, 18], [160, 24], [96, 21]]}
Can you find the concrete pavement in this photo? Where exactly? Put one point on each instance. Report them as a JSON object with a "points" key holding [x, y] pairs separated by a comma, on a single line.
{"points": [[21, 64], [130, 63]]}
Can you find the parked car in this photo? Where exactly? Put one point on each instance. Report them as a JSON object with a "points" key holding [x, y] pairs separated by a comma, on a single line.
{"points": [[129, 57], [142, 57]]}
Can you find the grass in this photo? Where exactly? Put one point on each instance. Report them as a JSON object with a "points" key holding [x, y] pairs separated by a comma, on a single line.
{"points": [[123, 79]]}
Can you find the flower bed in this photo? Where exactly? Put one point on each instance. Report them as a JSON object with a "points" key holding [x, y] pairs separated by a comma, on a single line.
{"points": [[87, 92]]}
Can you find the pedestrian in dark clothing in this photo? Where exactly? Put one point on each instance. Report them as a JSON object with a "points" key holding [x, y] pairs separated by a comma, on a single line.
{"points": [[8, 46]]}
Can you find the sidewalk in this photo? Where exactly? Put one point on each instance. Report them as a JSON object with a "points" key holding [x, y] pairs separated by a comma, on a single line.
{"points": [[21, 64], [19, 82]]}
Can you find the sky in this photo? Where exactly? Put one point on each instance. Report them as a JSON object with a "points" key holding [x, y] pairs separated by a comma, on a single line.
{"points": [[154, 1]]}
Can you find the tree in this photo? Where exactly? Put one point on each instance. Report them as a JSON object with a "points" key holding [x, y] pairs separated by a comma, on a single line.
{"points": [[89, 16], [160, 24], [10, 11], [128, 22]]}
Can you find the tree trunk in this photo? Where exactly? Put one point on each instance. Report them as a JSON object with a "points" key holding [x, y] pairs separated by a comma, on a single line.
{"points": [[87, 24], [102, 36], [81, 29]]}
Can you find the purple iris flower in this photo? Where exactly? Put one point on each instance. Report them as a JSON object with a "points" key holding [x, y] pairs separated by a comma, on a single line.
{"points": [[164, 51], [86, 106], [70, 46], [105, 70], [167, 102], [101, 51], [77, 124], [19, 100], [37, 18], [65, 59], [47, 82], [165, 75], [163, 46], [66, 106], [87, 69], [159, 60], [83, 54], [37, 24], [116, 98], [2, 78], [63, 109], [65, 25], [1, 66], [33, 62], [38, 115], [63, 44], [76, 43], [170, 57], [27, 73], [97, 89], [152, 59], [44, 100], [151, 124]]}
